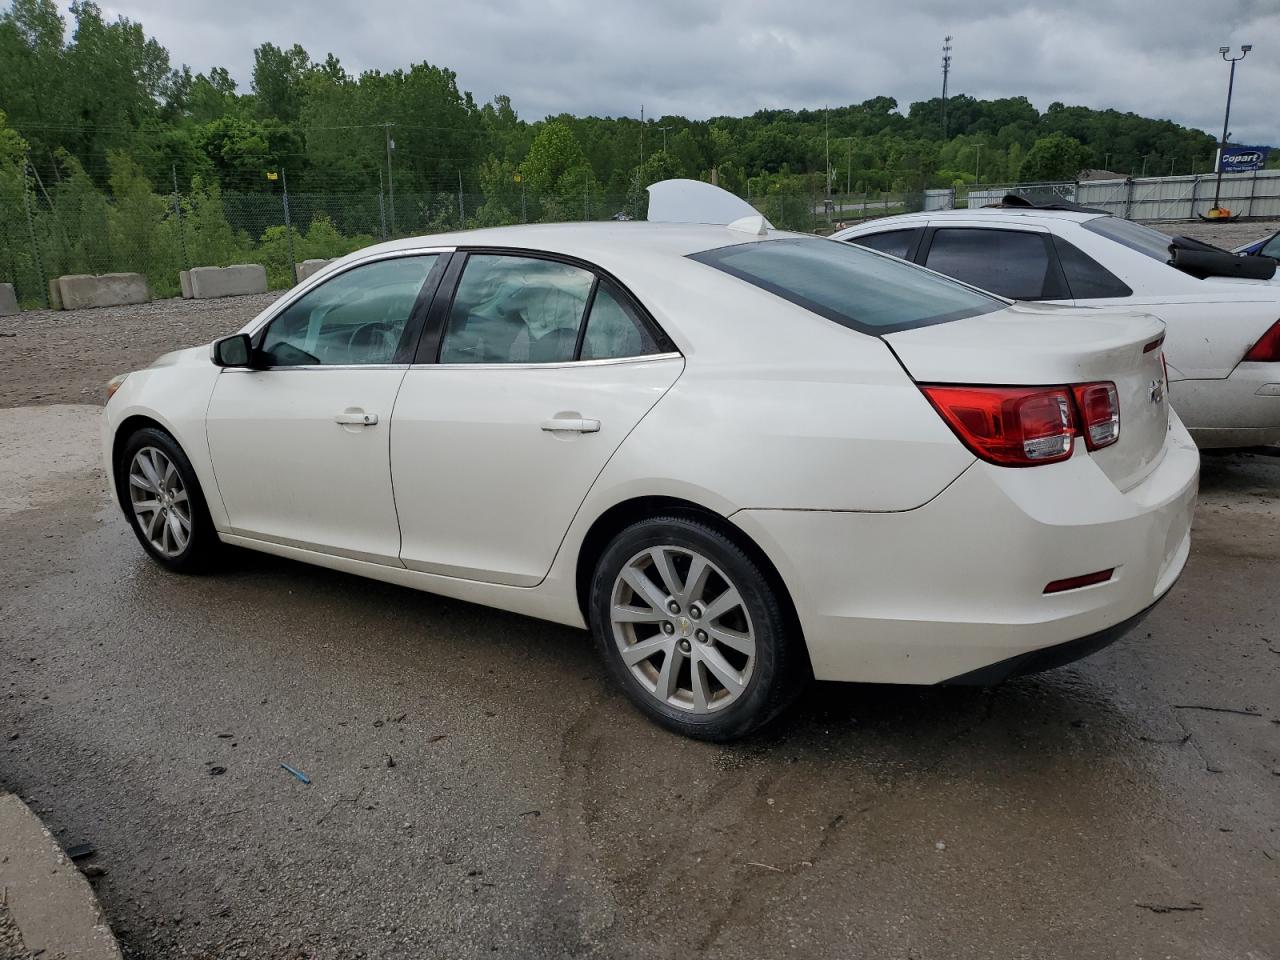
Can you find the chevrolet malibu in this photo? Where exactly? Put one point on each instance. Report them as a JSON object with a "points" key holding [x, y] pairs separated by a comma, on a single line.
{"points": [[740, 457]]}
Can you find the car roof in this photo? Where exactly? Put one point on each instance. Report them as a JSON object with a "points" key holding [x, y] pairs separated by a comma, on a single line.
{"points": [[591, 240], [991, 213]]}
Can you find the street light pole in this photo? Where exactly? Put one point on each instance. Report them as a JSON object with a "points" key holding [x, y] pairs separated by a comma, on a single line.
{"points": [[664, 138], [1226, 120]]}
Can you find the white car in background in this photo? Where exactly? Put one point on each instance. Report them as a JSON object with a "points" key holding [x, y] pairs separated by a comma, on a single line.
{"points": [[739, 456], [1223, 340]]}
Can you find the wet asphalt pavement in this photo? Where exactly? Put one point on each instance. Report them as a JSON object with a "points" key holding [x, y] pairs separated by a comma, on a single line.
{"points": [[478, 789]]}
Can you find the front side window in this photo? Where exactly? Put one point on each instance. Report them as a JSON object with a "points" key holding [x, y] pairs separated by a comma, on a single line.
{"points": [[358, 317], [850, 286], [513, 309], [1012, 263], [896, 243], [1272, 247]]}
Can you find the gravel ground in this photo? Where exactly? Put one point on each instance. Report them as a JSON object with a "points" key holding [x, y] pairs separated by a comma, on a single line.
{"points": [[1225, 235], [67, 356]]}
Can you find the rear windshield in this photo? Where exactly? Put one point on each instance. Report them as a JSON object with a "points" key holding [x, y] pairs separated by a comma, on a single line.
{"points": [[857, 288], [1135, 236]]}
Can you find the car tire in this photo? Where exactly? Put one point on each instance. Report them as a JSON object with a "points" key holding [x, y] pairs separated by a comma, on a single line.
{"points": [[693, 630], [164, 504]]}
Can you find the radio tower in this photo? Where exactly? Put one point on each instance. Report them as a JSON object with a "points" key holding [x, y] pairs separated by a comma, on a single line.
{"points": [[946, 70]]}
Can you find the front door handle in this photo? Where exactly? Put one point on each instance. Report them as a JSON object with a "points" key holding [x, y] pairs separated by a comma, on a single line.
{"points": [[571, 425], [356, 419]]}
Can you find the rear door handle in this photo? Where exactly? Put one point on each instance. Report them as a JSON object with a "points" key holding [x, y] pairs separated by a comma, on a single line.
{"points": [[356, 419], [571, 425]]}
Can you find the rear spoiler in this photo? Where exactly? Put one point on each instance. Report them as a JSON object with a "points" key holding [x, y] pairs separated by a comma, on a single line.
{"points": [[1202, 260]]}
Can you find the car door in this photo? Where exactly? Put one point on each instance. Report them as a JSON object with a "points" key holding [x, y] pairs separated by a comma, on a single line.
{"points": [[529, 377], [299, 442], [1018, 263]]}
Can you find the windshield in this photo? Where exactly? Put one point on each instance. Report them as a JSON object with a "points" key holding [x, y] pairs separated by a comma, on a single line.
{"points": [[857, 288], [1135, 236]]}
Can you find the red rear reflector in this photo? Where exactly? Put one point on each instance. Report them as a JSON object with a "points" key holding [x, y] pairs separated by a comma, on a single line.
{"points": [[1154, 344], [1075, 583], [1100, 408], [1011, 426], [1267, 349]]}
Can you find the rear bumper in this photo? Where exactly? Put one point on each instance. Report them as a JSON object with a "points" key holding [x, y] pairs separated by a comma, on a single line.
{"points": [[940, 592], [1242, 410], [1047, 658]]}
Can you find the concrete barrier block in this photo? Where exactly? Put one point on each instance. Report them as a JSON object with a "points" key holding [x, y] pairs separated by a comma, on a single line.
{"points": [[184, 281], [81, 291], [309, 268], [236, 281], [8, 300], [55, 294]]}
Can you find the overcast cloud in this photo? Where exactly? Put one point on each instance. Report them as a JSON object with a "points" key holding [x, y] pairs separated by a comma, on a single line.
{"points": [[699, 58]]}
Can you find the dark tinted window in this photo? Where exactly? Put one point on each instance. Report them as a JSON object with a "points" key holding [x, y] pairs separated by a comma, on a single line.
{"points": [[896, 243], [852, 287], [1087, 278], [1135, 236], [1012, 263]]}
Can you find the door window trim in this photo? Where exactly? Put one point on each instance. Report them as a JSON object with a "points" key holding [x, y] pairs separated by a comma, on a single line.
{"points": [[414, 325], [1055, 280], [431, 340]]}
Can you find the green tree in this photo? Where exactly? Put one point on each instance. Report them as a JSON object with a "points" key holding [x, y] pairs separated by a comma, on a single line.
{"points": [[1055, 157]]}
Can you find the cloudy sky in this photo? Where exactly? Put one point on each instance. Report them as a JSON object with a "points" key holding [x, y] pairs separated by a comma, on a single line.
{"points": [[700, 58]]}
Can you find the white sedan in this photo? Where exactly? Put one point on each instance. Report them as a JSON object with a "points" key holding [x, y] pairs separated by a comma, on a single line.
{"points": [[740, 457], [1223, 344]]}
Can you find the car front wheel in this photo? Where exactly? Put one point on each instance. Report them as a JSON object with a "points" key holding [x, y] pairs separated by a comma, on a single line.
{"points": [[692, 629], [163, 502]]}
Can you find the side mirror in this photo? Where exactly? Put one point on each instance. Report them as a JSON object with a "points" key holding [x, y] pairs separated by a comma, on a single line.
{"points": [[233, 351]]}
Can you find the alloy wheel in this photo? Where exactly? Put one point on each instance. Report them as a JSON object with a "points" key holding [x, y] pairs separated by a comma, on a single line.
{"points": [[682, 629], [160, 501]]}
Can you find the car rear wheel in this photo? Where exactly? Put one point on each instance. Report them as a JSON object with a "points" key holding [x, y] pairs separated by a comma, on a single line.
{"points": [[692, 629], [163, 502]]}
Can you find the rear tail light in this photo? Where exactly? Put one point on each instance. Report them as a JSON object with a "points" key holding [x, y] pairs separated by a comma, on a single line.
{"points": [[1028, 426], [1268, 348], [1100, 413]]}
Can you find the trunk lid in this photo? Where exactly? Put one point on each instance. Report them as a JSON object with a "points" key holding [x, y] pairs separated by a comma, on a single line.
{"points": [[1045, 346]]}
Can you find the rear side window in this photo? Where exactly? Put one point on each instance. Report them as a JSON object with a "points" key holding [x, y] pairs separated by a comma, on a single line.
{"points": [[1012, 263], [850, 286], [613, 331], [512, 309], [896, 243], [1087, 278], [1135, 236]]}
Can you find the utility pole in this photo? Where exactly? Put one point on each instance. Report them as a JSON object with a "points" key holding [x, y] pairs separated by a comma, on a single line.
{"points": [[946, 73], [391, 182], [1226, 120], [462, 207], [642, 134], [288, 226], [977, 164]]}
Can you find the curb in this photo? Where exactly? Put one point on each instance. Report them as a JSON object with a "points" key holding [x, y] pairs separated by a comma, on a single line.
{"points": [[45, 895]]}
